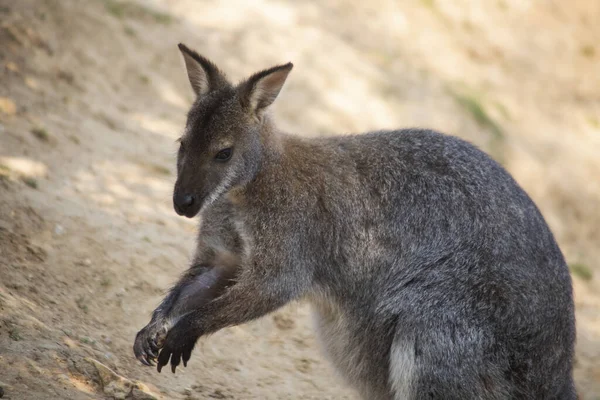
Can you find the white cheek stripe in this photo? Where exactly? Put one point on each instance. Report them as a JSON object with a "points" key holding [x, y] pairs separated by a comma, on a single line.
{"points": [[220, 189]]}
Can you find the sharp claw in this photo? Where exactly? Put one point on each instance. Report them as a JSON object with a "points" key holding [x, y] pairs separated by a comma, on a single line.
{"points": [[143, 360], [185, 357], [175, 358], [163, 359], [150, 360]]}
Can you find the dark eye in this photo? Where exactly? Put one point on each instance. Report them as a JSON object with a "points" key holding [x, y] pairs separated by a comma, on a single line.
{"points": [[224, 154]]}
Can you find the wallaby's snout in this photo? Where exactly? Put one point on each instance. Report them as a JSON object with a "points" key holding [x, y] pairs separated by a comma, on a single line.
{"points": [[187, 195], [185, 203]]}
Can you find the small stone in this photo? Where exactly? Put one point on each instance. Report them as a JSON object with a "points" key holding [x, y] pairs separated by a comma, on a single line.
{"points": [[7, 106], [31, 83], [70, 343], [59, 230], [119, 387], [142, 392], [11, 66]]}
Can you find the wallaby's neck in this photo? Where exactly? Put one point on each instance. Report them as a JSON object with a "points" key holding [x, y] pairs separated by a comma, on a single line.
{"points": [[272, 142], [288, 163], [270, 156], [288, 158]]}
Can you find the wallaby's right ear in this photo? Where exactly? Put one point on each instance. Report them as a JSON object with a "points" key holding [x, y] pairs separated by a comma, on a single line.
{"points": [[261, 89], [204, 76]]}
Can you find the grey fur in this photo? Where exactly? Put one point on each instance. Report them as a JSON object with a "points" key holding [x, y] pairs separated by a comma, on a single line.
{"points": [[432, 274]]}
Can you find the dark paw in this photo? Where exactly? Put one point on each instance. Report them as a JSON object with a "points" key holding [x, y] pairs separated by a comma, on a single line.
{"points": [[148, 342], [177, 347]]}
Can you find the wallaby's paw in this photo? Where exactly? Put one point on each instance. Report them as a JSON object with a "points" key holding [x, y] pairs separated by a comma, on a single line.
{"points": [[177, 347], [148, 342]]}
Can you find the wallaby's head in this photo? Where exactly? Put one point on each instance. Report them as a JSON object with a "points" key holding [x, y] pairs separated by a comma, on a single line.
{"points": [[222, 146]]}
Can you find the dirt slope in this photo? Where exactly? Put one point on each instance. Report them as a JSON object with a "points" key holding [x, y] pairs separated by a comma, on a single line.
{"points": [[93, 95]]}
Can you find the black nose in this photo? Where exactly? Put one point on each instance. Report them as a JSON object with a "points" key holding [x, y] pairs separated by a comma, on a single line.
{"points": [[182, 202]]}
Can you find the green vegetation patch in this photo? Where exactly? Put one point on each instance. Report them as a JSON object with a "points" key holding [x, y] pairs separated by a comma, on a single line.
{"points": [[15, 334], [582, 271], [40, 133], [82, 304], [29, 181], [588, 51], [4, 171], [475, 107], [428, 3], [127, 9]]}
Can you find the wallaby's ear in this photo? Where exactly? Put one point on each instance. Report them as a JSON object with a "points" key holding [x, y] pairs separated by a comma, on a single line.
{"points": [[204, 76], [261, 89]]}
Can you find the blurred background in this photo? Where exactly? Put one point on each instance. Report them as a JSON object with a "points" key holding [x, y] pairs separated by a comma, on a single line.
{"points": [[94, 93]]}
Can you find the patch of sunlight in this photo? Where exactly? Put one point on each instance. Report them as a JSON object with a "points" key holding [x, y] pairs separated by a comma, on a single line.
{"points": [[157, 125], [125, 189], [219, 14], [30, 305], [103, 199], [172, 96], [276, 13], [119, 189], [591, 326], [24, 166], [36, 322], [375, 113]]}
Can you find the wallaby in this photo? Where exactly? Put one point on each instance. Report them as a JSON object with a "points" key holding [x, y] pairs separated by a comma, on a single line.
{"points": [[431, 273]]}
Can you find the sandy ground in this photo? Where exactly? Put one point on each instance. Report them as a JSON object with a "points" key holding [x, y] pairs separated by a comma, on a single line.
{"points": [[93, 95]]}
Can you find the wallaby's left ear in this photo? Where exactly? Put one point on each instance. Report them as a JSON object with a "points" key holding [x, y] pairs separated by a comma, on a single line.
{"points": [[261, 89], [203, 74]]}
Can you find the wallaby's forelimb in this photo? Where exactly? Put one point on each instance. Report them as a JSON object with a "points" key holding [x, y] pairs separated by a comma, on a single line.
{"points": [[198, 286], [251, 297]]}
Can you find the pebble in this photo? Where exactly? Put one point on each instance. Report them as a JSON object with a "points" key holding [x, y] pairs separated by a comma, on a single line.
{"points": [[7, 106], [59, 230]]}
